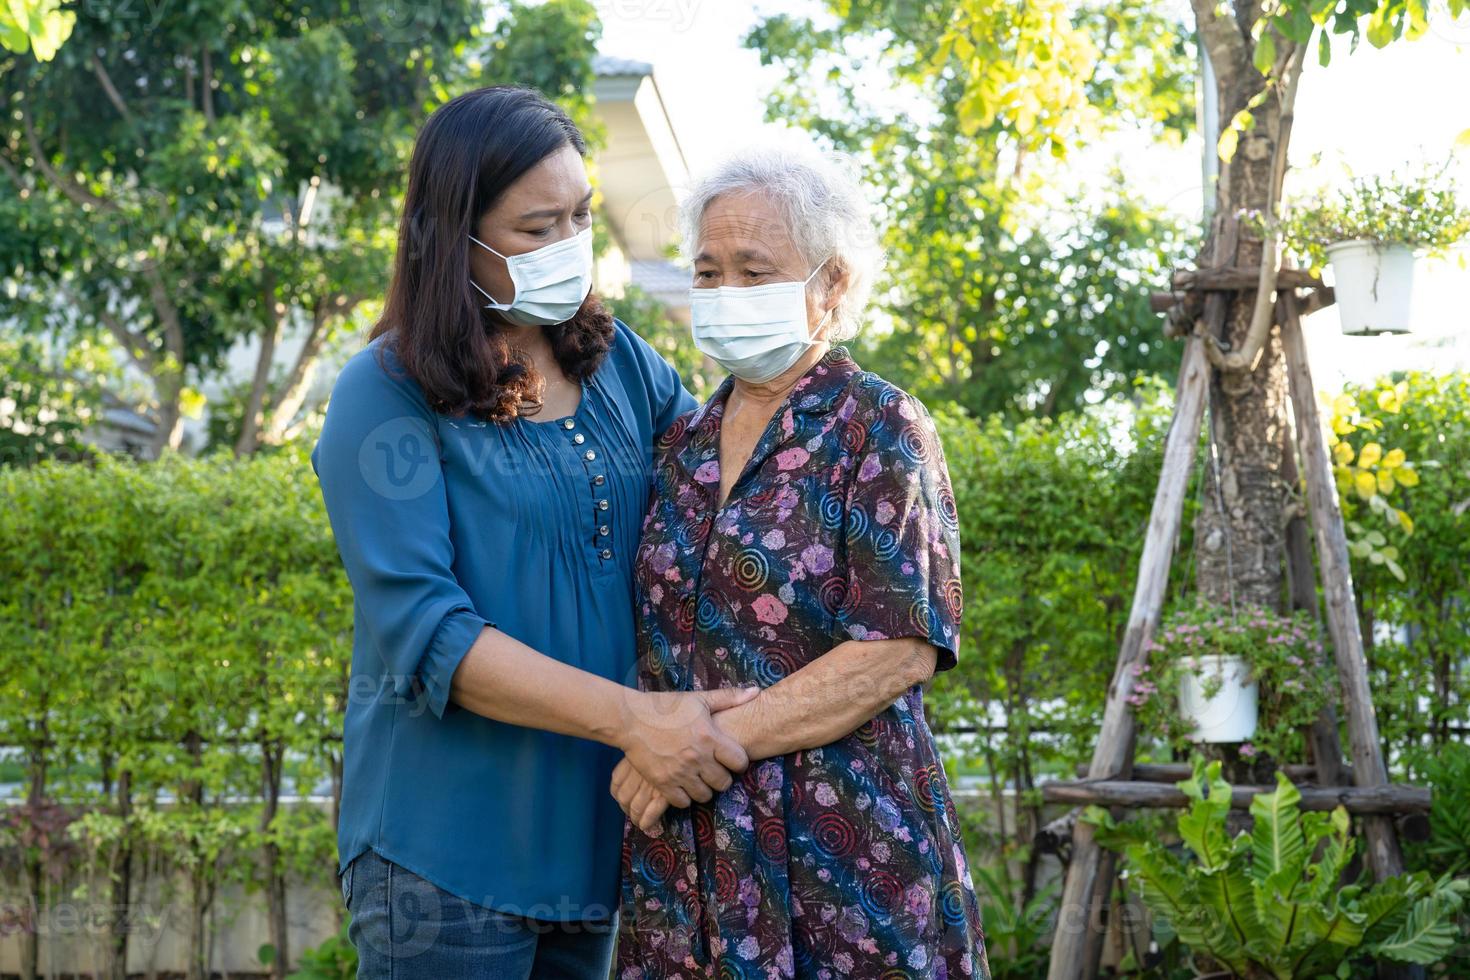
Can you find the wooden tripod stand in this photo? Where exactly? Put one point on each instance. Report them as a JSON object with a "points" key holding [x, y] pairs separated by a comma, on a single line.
{"points": [[1110, 779]]}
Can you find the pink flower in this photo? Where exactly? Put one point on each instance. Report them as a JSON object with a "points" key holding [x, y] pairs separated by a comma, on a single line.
{"points": [[818, 558], [1247, 750], [769, 609], [792, 458]]}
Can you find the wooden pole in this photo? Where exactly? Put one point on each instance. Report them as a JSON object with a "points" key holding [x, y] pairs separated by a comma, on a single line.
{"points": [[1337, 586], [1079, 932], [1173, 772], [1301, 577], [1385, 800]]}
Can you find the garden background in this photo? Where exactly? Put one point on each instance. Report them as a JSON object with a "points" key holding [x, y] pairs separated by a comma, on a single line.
{"points": [[174, 622]]}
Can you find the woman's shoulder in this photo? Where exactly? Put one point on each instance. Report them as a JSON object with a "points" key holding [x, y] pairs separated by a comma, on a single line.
{"points": [[630, 351], [377, 371], [884, 403]]}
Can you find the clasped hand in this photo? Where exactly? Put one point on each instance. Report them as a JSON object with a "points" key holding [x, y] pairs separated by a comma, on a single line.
{"points": [[674, 753]]}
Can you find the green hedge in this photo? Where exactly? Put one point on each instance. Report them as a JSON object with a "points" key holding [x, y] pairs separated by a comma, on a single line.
{"points": [[174, 640]]}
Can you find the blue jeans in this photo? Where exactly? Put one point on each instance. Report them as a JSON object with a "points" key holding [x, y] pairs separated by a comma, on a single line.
{"points": [[406, 928]]}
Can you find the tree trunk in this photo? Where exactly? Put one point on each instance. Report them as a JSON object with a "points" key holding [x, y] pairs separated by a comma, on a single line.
{"points": [[1240, 540], [275, 880], [250, 420], [116, 965]]}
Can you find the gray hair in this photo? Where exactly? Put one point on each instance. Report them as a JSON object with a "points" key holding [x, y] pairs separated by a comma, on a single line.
{"points": [[823, 210]]}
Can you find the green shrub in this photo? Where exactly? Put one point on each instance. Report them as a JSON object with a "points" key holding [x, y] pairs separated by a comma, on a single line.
{"points": [[174, 647], [1271, 903]]}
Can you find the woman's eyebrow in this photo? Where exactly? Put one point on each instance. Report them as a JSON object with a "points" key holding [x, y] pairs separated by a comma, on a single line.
{"points": [[743, 255], [553, 212]]}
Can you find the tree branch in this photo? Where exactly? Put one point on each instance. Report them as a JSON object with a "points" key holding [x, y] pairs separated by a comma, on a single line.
{"points": [[78, 194], [113, 95], [292, 394], [11, 172], [134, 345], [206, 88]]}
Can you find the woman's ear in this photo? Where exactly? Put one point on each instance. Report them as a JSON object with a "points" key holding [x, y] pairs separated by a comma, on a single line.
{"points": [[835, 280]]}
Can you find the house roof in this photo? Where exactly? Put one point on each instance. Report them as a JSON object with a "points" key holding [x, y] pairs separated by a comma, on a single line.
{"points": [[607, 66], [641, 169]]}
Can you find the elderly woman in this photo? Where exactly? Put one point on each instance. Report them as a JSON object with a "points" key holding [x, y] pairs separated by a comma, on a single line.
{"points": [[803, 538]]}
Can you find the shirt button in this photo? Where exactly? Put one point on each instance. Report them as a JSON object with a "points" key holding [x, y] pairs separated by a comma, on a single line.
{"points": [[579, 438], [603, 530], [568, 424], [602, 505], [599, 480], [589, 455], [606, 553]]}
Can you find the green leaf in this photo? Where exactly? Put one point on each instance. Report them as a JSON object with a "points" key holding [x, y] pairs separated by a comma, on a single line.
{"points": [[1278, 847], [1382, 26], [1229, 139], [1428, 934], [56, 27], [1265, 53]]}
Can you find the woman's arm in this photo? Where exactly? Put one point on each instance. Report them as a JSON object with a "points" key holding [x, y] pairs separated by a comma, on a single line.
{"points": [[822, 702], [382, 481], [830, 697], [670, 738]]}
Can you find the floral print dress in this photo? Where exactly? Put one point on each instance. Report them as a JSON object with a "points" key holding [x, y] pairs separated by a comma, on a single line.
{"points": [[841, 861]]}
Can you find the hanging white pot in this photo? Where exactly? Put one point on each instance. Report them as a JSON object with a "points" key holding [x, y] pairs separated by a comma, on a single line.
{"points": [[1374, 285], [1229, 714]]}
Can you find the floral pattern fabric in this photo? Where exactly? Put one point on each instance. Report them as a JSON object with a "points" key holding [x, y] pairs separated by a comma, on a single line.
{"points": [[840, 861]]}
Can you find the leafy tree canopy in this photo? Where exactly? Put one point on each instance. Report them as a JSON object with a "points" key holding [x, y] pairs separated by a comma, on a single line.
{"points": [[1003, 294]]}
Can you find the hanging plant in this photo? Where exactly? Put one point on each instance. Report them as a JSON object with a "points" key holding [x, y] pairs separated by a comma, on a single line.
{"points": [[1423, 213], [1370, 234], [1200, 649]]}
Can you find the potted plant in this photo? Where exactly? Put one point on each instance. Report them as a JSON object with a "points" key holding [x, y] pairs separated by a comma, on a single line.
{"points": [[1371, 234], [1252, 677]]}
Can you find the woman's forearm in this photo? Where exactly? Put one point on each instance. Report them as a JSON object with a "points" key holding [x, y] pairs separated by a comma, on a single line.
{"points": [[503, 679], [830, 697], [670, 737]]}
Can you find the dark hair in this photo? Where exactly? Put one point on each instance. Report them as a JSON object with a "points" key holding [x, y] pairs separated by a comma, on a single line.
{"points": [[466, 156]]}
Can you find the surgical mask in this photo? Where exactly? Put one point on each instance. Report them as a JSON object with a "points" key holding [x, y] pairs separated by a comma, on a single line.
{"points": [[550, 282], [754, 332]]}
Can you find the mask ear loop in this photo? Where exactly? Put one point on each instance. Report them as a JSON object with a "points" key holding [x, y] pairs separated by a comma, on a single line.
{"points": [[830, 309], [494, 303]]}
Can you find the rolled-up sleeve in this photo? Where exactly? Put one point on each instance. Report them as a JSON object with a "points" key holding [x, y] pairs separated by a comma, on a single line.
{"points": [[902, 535], [379, 466]]}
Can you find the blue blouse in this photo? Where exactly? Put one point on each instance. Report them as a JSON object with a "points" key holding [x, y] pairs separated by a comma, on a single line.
{"points": [[446, 525]]}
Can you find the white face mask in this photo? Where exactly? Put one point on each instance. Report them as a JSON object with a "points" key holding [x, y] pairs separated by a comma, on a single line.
{"points": [[754, 332], [550, 282]]}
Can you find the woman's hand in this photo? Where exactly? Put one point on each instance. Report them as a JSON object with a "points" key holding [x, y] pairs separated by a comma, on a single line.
{"points": [[643, 804], [670, 738]]}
